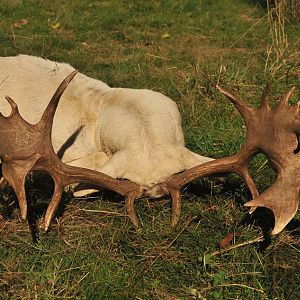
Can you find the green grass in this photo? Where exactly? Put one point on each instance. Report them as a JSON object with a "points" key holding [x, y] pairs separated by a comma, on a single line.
{"points": [[181, 48]]}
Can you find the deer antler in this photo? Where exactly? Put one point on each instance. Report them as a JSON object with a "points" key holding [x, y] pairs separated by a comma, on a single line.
{"points": [[279, 142], [29, 147], [272, 132]]}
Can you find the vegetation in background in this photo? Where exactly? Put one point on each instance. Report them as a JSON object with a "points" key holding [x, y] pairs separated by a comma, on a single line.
{"points": [[181, 48], [291, 8], [280, 53]]}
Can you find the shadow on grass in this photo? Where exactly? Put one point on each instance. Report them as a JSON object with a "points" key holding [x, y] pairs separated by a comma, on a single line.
{"points": [[261, 217], [39, 189], [264, 219]]}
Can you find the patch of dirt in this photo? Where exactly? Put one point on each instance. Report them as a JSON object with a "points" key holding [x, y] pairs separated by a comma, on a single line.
{"points": [[247, 18], [200, 48]]}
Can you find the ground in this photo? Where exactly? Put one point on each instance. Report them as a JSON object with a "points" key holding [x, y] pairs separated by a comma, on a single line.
{"points": [[181, 48]]}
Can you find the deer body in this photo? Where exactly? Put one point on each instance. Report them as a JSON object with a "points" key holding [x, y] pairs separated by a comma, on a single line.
{"points": [[125, 133]]}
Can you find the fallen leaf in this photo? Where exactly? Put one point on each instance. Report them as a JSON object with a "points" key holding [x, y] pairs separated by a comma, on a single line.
{"points": [[228, 239], [56, 25], [21, 23], [165, 35], [85, 44]]}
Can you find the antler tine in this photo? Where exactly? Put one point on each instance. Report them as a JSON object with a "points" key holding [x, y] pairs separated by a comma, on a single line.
{"points": [[245, 174], [17, 183], [15, 173], [264, 104], [245, 111], [284, 101], [176, 206], [129, 206], [54, 202], [48, 115], [13, 105]]}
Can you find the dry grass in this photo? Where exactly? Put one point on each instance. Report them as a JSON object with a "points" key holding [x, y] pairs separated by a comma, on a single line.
{"points": [[280, 53], [290, 7]]}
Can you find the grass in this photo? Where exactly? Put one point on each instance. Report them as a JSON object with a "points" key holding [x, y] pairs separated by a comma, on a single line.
{"points": [[181, 48]]}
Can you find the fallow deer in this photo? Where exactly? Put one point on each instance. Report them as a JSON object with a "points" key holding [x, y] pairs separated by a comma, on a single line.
{"points": [[274, 132]]}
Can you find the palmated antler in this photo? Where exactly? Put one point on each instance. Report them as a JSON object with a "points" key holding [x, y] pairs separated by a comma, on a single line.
{"points": [[28, 147], [272, 132]]}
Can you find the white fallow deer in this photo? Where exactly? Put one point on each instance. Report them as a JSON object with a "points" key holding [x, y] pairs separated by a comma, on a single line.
{"points": [[133, 134]]}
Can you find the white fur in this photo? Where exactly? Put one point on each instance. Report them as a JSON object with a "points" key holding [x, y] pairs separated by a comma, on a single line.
{"points": [[125, 133]]}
